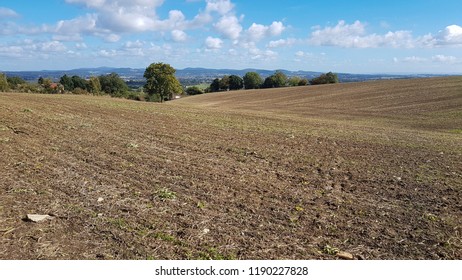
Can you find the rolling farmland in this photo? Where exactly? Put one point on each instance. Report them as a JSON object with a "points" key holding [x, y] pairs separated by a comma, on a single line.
{"points": [[370, 169]]}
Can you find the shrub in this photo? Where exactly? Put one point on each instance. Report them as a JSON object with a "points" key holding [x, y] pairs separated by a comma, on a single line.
{"points": [[194, 91]]}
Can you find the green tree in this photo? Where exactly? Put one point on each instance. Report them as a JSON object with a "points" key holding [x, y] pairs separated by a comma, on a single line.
{"points": [[303, 82], [235, 82], [194, 90], [294, 81], [328, 78], [15, 82], [279, 79], [276, 80], [3, 82], [79, 82], [113, 85], [161, 80], [94, 86], [224, 83], [215, 85], [67, 82], [252, 80]]}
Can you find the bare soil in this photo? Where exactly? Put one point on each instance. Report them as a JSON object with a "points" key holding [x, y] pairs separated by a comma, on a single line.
{"points": [[373, 169]]}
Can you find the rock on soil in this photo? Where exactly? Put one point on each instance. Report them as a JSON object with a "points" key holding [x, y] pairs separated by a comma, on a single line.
{"points": [[37, 218]]}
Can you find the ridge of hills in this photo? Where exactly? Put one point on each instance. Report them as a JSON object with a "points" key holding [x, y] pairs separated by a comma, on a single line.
{"points": [[191, 76]]}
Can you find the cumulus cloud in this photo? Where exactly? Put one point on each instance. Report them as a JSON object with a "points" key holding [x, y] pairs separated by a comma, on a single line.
{"points": [[451, 35], [257, 54], [119, 16], [229, 27], [222, 7], [213, 43], [179, 35], [258, 32], [355, 36], [29, 48]]}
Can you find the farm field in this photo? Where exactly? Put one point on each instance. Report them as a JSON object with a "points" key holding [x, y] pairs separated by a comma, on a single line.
{"points": [[368, 169]]}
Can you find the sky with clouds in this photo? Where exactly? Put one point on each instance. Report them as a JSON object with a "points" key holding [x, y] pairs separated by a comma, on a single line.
{"points": [[363, 36]]}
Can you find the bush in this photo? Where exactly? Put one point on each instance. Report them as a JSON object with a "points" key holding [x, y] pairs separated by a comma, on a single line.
{"points": [[194, 91], [138, 96], [79, 91], [328, 78]]}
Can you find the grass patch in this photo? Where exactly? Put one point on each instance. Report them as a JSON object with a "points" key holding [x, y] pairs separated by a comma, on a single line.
{"points": [[166, 194], [330, 250]]}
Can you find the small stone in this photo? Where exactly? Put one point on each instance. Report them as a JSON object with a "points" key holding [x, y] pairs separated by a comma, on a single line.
{"points": [[100, 199], [100, 214], [345, 255], [37, 218], [205, 231]]}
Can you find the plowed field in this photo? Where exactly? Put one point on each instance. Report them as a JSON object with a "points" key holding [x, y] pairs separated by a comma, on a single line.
{"points": [[372, 169]]}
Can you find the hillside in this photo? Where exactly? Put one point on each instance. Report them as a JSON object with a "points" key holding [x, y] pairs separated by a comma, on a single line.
{"points": [[430, 103], [371, 169]]}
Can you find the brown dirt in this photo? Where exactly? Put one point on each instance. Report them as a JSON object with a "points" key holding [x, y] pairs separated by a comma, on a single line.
{"points": [[372, 169]]}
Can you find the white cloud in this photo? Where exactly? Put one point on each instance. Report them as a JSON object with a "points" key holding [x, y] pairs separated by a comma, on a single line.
{"points": [[276, 28], [107, 53], [213, 43], [451, 35], [135, 44], [414, 59], [444, 58], [7, 13], [282, 43], [29, 48], [229, 27], [222, 7], [258, 32], [354, 36], [179, 35], [257, 54]]}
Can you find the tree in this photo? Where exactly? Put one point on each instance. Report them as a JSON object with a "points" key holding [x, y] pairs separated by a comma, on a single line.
{"points": [[161, 80], [194, 90], [279, 79], [215, 85], [328, 78], [94, 86], [303, 82], [294, 81], [3, 82], [235, 82], [15, 82], [113, 85], [276, 80], [252, 80], [224, 83], [79, 82], [67, 82]]}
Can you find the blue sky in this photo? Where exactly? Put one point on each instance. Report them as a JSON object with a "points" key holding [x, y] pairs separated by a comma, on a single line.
{"points": [[412, 36]]}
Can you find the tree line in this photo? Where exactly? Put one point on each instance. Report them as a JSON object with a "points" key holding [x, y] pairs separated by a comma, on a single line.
{"points": [[161, 84], [253, 80]]}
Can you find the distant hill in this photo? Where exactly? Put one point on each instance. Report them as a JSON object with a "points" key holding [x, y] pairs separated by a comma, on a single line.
{"points": [[198, 75]]}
